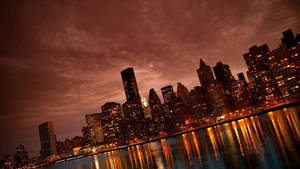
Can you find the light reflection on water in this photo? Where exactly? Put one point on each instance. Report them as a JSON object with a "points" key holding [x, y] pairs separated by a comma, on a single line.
{"points": [[265, 141]]}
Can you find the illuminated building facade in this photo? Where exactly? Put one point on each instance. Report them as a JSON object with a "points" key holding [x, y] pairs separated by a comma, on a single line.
{"points": [[169, 98], [134, 122], [261, 75], [111, 117], [240, 94], [146, 108], [94, 125], [283, 63], [47, 139]]}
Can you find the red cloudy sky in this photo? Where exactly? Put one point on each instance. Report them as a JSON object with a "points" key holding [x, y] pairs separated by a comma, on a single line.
{"points": [[61, 59]]}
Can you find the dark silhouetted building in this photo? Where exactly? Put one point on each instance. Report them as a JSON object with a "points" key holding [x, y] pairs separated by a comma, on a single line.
{"points": [[183, 93], [223, 74], [169, 99], [154, 101], [205, 75], [168, 94], [130, 87], [21, 156], [155, 105], [215, 90], [199, 102], [47, 139], [217, 99], [241, 76], [288, 39]]}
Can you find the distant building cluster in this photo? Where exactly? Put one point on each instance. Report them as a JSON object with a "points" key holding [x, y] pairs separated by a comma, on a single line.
{"points": [[273, 78], [19, 160]]}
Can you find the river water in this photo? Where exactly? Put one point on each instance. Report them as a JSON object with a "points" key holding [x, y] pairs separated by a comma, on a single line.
{"points": [[269, 140]]}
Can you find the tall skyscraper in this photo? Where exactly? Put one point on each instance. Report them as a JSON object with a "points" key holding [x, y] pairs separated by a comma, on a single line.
{"points": [[155, 105], [241, 76], [215, 90], [183, 93], [205, 75], [218, 99], [199, 102], [47, 139], [168, 94], [130, 87], [95, 129], [257, 61], [111, 117], [223, 74], [154, 101], [288, 38]]}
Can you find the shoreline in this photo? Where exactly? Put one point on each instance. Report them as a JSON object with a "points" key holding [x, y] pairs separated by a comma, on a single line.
{"points": [[182, 132]]}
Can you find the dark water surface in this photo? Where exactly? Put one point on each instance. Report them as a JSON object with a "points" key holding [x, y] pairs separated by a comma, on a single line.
{"points": [[265, 141]]}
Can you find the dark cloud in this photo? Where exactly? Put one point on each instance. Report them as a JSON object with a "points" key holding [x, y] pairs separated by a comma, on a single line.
{"points": [[60, 60]]}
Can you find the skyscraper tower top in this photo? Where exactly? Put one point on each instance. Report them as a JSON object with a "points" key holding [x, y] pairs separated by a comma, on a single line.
{"points": [[288, 38], [223, 74], [205, 74], [130, 86], [154, 101]]}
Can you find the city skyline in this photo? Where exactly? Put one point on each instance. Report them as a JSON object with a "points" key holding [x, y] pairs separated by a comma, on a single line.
{"points": [[149, 75]]}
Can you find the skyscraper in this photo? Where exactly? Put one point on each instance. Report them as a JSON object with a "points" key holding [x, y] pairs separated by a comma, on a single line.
{"points": [[130, 87], [241, 76], [218, 99], [288, 38], [183, 93], [283, 62], [111, 117], [47, 139], [168, 94], [205, 75], [199, 102], [95, 129], [146, 108], [154, 101], [223, 74], [155, 105], [263, 82], [215, 90]]}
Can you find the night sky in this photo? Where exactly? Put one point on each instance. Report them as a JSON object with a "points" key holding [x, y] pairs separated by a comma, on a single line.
{"points": [[60, 60]]}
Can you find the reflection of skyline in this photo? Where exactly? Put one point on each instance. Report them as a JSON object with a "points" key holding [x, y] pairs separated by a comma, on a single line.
{"points": [[259, 139]]}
